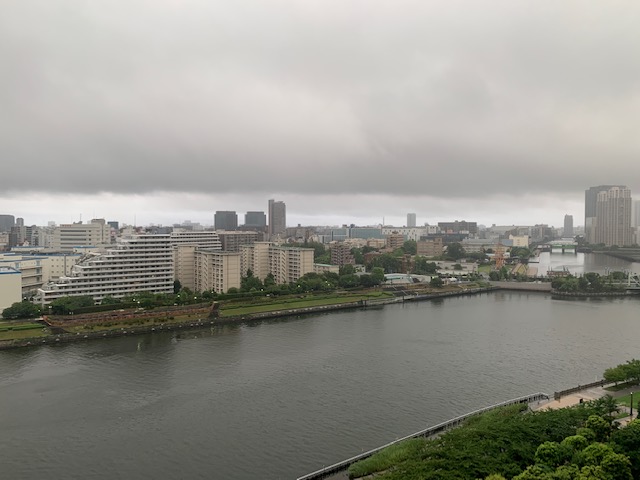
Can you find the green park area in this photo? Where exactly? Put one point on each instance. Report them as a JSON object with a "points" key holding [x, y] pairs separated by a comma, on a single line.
{"points": [[594, 440], [274, 304], [16, 330]]}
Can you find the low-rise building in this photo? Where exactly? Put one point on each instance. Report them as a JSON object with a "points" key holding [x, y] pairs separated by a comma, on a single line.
{"points": [[430, 248]]}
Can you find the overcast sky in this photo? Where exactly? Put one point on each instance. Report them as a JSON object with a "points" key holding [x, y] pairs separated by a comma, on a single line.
{"points": [[160, 111]]}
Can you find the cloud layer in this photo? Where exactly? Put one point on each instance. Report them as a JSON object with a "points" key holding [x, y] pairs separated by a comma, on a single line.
{"points": [[450, 100]]}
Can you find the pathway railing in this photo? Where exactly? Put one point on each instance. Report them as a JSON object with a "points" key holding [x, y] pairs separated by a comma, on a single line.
{"points": [[427, 432]]}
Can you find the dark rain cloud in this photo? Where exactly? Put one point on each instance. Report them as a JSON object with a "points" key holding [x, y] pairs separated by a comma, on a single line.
{"points": [[452, 99]]}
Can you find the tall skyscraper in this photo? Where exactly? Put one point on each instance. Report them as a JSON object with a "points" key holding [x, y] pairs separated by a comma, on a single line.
{"points": [[411, 219], [568, 226], [225, 220], [613, 217], [277, 218], [590, 201], [635, 219]]}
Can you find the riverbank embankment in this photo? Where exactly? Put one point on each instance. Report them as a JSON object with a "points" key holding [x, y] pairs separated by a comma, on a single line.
{"points": [[523, 286], [62, 334]]}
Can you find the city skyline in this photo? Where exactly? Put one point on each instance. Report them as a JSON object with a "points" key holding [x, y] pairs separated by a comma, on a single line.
{"points": [[159, 213], [497, 112]]}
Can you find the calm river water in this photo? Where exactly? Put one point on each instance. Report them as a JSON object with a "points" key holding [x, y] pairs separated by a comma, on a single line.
{"points": [[279, 399]]}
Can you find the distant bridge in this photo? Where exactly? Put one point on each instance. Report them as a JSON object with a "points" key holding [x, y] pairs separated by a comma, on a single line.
{"points": [[562, 245]]}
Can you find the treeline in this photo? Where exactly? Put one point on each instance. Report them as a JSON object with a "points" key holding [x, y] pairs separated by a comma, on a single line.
{"points": [[625, 372], [589, 282], [572, 443]]}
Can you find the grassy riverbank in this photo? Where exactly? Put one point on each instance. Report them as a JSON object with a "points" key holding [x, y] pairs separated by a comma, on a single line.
{"points": [[136, 321]]}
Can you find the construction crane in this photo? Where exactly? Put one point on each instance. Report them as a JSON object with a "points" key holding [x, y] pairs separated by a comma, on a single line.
{"points": [[499, 256]]}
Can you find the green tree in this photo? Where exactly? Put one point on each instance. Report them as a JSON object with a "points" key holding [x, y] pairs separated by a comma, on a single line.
{"points": [[436, 282], [347, 270], [377, 274], [69, 304], [269, 280], [109, 300], [22, 309], [250, 283], [410, 247], [349, 281], [357, 255], [551, 454], [177, 286], [455, 251], [424, 267]]}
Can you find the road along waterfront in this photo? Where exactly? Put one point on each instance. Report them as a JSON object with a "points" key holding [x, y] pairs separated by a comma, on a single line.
{"points": [[284, 397]]}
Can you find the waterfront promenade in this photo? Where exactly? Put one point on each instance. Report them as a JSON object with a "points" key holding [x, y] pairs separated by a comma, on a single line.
{"points": [[538, 403]]}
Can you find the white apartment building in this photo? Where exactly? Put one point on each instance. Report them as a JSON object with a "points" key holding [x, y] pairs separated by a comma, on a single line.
{"points": [[201, 238], [96, 232], [10, 287], [255, 258], [137, 263], [284, 263], [184, 243], [217, 271], [412, 233], [30, 270]]}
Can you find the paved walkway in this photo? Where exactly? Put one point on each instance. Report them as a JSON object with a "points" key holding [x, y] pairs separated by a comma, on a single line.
{"points": [[586, 395]]}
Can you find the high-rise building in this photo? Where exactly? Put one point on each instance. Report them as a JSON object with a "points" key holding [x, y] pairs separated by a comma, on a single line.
{"points": [[613, 217], [277, 218], [257, 220], [231, 241], [590, 201], [411, 219], [568, 226], [6, 222], [635, 219], [225, 220]]}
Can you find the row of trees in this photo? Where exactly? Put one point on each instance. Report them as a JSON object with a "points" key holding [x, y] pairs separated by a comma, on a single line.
{"points": [[21, 310], [589, 282], [311, 282], [625, 372], [573, 443]]}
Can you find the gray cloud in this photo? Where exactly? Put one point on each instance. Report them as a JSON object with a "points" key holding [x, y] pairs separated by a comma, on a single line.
{"points": [[407, 98]]}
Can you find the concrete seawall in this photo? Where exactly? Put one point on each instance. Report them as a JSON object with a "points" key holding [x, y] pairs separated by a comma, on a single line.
{"points": [[523, 286]]}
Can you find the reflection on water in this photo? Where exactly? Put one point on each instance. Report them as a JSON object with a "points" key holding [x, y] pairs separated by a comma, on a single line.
{"points": [[579, 263], [275, 400]]}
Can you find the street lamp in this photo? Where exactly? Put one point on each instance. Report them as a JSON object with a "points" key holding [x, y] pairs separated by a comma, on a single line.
{"points": [[631, 414]]}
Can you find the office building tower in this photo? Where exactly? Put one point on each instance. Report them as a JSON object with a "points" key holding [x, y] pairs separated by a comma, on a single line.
{"points": [[411, 219], [613, 217], [6, 222], [225, 220], [568, 226], [277, 218], [257, 220]]}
